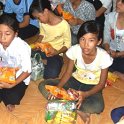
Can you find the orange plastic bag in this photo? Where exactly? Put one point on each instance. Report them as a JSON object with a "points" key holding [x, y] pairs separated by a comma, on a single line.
{"points": [[60, 93], [45, 47], [8, 74], [66, 15]]}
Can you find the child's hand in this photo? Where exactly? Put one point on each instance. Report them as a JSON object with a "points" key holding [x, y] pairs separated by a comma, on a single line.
{"points": [[52, 52], [113, 53], [73, 21], [6, 85], [51, 97], [81, 97]]}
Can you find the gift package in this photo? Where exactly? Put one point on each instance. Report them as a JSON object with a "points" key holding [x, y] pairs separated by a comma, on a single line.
{"points": [[8, 74], [43, 46], [61, 112], [61, 93], [66, 15], [8, 70], [111, 78]]}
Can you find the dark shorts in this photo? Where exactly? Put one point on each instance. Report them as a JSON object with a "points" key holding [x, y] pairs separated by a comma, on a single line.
{"points": [[118, 65], [92, 104], [13, 95]]}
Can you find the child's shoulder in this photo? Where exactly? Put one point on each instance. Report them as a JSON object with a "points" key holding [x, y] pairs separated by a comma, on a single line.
{"points": [[101, 51], [103, 55], [20, 43], [63, 23]]}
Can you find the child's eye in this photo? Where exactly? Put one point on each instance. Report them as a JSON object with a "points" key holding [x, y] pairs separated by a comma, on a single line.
{"points": [[81, 39], [7, 33], [91, 40]]}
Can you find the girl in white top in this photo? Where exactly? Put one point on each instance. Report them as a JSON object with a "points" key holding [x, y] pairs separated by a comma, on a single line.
{"points": [[15, 53], [89, 78], [114, 37]]}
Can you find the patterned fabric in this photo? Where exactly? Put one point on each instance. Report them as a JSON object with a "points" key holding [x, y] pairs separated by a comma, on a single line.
{"points": [[85, 12]]}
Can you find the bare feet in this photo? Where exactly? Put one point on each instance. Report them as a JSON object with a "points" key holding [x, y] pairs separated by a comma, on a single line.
{"points": [[119, 74], [85, 117], [10, 107]]}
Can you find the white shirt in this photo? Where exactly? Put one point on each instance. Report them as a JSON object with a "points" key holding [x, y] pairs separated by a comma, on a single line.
{"points": [[113, 36], [17, 54], [89, 73]]}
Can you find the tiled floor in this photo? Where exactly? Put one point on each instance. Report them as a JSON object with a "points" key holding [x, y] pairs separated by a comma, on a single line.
{"points": [[32, 107]]}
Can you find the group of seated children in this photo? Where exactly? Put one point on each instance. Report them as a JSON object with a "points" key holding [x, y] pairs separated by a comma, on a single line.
{"points": [[77, 38]]}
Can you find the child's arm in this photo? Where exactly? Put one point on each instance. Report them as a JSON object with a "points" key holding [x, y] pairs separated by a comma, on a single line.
{"points": [[23, 76], [67, 74], [95, 89], [100, 11], [25, 22]]}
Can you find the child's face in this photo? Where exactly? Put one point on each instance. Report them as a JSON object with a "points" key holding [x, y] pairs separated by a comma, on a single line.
{"points": [[41, 16], [6, 35], [119, 6], [88, 43]]}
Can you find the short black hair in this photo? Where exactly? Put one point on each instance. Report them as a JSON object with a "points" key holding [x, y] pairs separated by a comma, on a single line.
{"points": [[39, 5], [10, 21], [90, 27]]}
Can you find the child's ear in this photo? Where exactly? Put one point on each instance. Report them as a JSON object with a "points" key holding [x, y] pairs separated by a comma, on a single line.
{"points": [[16, 34], [99, 42]]}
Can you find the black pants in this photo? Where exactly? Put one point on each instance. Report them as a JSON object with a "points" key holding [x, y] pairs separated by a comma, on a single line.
{"points": [[13, 95], [118, 65], [91, 104], [28, 31]]}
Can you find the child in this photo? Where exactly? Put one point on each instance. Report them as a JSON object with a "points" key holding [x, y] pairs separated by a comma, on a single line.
{"points": [[89, 78], [56, 32], [20, 8], [16, 52], [114, 38]]}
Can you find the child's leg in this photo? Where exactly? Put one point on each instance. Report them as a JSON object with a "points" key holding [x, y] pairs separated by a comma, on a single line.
{"points": [[70, 84], [84, 116], [14, 95], [91, 105], [53, 67], [42, 88]]}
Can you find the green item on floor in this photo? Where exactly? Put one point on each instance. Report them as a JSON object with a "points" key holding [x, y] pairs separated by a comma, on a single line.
{"points": [[61, 112]]}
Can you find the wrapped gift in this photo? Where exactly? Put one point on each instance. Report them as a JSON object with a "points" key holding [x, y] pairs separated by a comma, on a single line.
{"points": [[111, 78], [61, 93], [43, 46], [8, 74], [66, 15], [61, 112]]}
